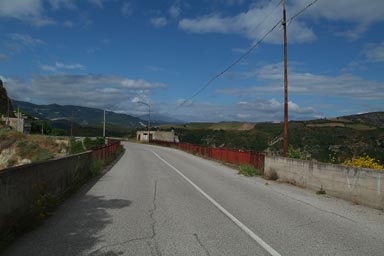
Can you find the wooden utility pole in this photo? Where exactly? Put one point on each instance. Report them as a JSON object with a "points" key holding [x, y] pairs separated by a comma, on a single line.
{"points": [[285, 147]]}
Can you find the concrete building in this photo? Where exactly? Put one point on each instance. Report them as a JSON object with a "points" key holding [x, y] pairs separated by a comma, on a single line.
{"points": [[157, 135], [19, 123]]}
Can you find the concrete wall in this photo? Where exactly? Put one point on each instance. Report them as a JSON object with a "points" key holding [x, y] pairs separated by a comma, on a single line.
{"points": [[22, 187], [157, 135], [20, 124], [362, 186]]}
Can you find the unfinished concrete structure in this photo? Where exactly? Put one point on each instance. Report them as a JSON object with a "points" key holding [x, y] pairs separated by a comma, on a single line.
{"points": [[157, 135]]}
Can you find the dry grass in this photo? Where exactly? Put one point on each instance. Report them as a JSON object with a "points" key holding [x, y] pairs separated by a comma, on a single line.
{"points": [[24, 149]]}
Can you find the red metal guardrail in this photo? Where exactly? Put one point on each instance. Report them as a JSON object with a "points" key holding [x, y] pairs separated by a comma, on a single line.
{"points": [[226, 155], [103, 152]]}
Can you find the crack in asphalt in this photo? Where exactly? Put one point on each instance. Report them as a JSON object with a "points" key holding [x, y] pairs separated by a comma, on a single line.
{"points": [[152, 211], [201, 244], [154, 248], [152, 243]]}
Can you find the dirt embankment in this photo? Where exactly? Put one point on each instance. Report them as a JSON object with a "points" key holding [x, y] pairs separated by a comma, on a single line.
{"points": [[19, 149]]}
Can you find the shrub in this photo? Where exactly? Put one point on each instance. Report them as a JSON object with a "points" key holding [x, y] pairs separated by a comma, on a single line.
{"points": [[364, 162], [76, 146], [41, 155], [90, 143], [295, 153], [96, 167], [26, 149], [248, 170]]}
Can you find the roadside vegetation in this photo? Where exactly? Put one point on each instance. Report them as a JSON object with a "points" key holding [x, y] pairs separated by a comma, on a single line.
{"points": [[19, 149], [334, 140], [364, 162], [249, 170]]}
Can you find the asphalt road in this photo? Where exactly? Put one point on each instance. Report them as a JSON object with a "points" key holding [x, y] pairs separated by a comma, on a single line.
{"points": [[161, 201]]}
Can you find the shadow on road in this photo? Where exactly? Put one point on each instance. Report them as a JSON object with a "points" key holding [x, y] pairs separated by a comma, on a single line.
{"points": [[74, 229]]}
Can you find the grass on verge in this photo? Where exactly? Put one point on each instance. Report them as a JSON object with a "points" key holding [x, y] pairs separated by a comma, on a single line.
{"points": [[248, 170]]}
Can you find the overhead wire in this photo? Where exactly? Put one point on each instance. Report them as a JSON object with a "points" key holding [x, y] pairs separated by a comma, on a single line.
{"points": [[249, 51], [301, 11], [237, 61]]}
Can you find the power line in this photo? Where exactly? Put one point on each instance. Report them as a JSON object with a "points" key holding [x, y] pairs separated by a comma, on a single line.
{"points": [[239, 59], [301, 11], [230, 66], [209, 82]]}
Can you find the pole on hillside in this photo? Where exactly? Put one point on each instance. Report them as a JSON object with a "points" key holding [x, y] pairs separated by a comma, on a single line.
{"points": [[18, 118], [104, 125], [149, 116], [285, 146], [149, 122]]}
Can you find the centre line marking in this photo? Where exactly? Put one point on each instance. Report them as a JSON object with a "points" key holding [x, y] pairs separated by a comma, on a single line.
{"points": [[249, 232]]}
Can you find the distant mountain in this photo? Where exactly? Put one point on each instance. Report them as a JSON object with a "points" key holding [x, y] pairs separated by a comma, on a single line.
{"points": [[375, 119], [162, 119], [81, 115]]}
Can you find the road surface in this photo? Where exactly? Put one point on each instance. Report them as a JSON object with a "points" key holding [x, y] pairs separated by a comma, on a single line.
{"points": [[162, 201]]}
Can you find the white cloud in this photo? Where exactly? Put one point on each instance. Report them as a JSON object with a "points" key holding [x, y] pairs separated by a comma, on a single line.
{"points": [[127, 9], [159, 22], [58, 4], [30, 11], [21, 9], [102, 91], [256, 110], [26, 40], [70, 66], [344, 85], [174, 11], [98, 3], [3, 57], [355, 12], [273, 106], [43, 21], [20, 42], [140, 84], [375, 52], [61, 66], [34, 12], [48, 68], [68, 24], [246, 24], [231, 2]]}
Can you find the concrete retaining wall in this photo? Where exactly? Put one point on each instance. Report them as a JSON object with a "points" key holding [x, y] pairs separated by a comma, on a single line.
{"points": [[362, 186], [23, 189]]}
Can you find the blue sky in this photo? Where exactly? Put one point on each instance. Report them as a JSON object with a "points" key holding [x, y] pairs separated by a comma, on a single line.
{"points": [[110, 53]]}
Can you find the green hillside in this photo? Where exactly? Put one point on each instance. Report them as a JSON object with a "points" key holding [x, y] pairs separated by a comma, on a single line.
{"points": [[235, 126], [327, 140]]}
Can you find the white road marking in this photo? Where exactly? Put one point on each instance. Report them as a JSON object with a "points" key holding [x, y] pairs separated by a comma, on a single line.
{"points": [[249, 232]]}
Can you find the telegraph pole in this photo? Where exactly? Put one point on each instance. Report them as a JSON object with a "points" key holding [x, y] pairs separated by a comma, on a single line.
{"points": [[18, 118], [104, 125], [285, 146]]}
